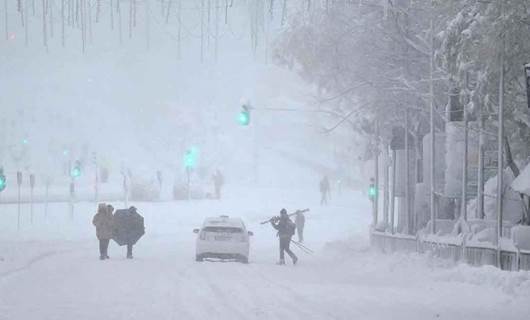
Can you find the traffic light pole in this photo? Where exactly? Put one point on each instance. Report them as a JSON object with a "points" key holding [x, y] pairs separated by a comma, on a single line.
{"points": [[376, 174], [96, 179], [19, 184], [125, 190], [72, 192], [188, 183], [47, 198], [31, 188]]}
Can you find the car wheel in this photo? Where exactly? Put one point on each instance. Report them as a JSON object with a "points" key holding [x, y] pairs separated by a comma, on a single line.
{"points": [[199, 258]]}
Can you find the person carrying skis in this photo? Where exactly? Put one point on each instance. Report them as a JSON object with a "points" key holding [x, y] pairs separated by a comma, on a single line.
{"points": [[286, 229], [103, 221], [300, 224]]}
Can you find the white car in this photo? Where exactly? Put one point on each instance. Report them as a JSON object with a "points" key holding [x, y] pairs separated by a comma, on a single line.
{"points": [[223, 238]]}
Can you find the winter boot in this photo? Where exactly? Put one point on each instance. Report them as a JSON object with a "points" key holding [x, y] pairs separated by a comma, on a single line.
{"points": [[281, 262], [295, 260], [101, 257]]}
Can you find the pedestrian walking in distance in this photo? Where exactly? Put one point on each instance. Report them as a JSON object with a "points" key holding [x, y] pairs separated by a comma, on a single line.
{"points": [[103, 221], [286, 229], [324, 190], [218, 182], [300, 224]]}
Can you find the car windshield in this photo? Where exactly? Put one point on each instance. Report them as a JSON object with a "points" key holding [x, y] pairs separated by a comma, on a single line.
{"points": [[223, 229]]}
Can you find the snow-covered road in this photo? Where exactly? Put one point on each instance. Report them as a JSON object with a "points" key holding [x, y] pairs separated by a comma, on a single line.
{"points": [[50, 270]]}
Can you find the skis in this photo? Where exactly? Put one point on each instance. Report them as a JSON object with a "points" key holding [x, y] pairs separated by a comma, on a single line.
{"points": [[290, 215], [302, 247]]}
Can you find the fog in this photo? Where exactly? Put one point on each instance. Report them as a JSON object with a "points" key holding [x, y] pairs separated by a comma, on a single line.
{"points": [[260, 159]]}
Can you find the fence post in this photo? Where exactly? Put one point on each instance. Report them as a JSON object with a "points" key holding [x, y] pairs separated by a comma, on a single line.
{"points": [[393, 198]]}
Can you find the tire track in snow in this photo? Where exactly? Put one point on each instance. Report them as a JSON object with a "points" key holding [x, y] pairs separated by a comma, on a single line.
{"points": [[219, 302], [29, 264], [315, 313]]}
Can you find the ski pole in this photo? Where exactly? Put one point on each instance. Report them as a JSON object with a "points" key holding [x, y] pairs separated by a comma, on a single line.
{"points": [[302, 246]]}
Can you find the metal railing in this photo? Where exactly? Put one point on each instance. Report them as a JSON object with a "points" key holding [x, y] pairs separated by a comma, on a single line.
{"points": [[459, 251]]}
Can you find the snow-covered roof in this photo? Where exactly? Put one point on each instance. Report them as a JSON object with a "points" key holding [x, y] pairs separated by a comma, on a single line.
{"points": [[522, 182]]}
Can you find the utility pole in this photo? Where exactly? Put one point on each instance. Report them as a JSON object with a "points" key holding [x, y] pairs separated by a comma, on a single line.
{"points": [[96, 178], [407, 174], [19, 184], [31, 187], [376, 174], [125, 190], [463, 212], [481, 142], [500, 154], [433, 129], [386, 184], [393, 197], [46, 200]]}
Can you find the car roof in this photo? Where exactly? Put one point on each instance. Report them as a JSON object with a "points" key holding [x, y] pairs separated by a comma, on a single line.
{"points": [[223, 221]]}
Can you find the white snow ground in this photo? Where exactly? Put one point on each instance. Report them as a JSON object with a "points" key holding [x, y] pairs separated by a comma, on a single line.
{"points": [[50, 270]]}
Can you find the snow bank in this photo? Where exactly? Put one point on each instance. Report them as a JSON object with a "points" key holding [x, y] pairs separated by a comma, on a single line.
{"points": [[521, 237], [512, 283], [522, 182]]}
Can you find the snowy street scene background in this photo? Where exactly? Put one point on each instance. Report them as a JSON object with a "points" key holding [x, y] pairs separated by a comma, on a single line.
{"points": [[260, 159]]}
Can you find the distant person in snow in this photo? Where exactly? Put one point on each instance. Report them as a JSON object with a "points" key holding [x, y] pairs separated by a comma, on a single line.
{"points": [[286, 229], [218, 182], [103, 221], [300, 224], [324, 190]]}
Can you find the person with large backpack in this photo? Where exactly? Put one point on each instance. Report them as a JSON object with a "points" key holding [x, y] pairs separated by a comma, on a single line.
{"points": [[286, 229]]}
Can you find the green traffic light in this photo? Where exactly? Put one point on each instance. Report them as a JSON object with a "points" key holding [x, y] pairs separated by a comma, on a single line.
{"points": [[76, 172], [372, 191], [25, 141], [244, 118], [190, 158], [3, 182]]}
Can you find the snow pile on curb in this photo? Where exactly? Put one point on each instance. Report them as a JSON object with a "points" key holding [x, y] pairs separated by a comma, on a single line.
{"points": [[512, 283]]}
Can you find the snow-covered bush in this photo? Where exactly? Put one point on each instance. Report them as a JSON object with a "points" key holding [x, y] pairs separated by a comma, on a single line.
{"points": [[144, 190]]}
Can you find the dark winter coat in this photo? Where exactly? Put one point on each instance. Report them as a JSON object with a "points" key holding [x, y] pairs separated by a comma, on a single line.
{"points": [[285, 227], [103, 220]]}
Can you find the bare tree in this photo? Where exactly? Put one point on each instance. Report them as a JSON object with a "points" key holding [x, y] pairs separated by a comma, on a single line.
{"points": [[62, 23], [6, 20], [44, 31]]}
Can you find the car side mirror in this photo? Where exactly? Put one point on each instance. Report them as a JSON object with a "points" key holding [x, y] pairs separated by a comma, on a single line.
{"points": [[250, 233], [196, 230]]}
